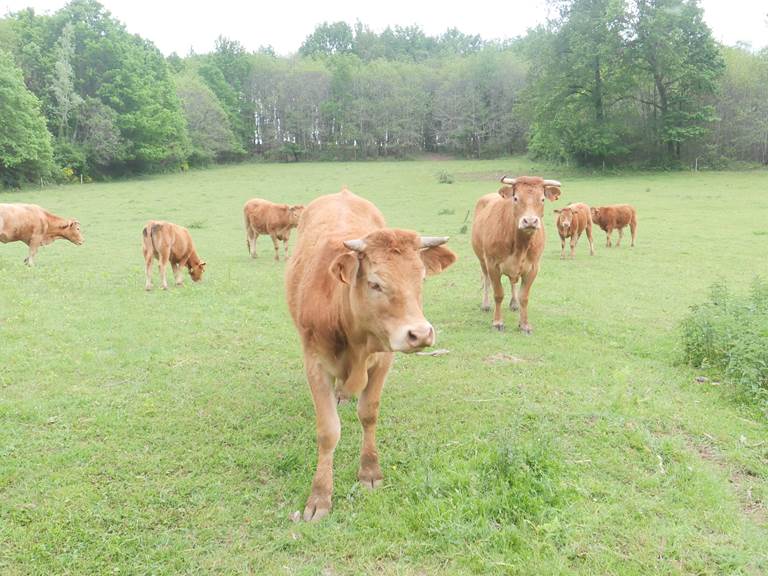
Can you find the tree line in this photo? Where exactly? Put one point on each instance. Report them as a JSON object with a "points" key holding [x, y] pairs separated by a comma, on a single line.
{"points": [[604, 83]]}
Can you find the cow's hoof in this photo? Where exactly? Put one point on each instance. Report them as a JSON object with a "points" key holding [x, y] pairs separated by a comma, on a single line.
{"points": [[514, 306], [370, 478], [147, 288], [498, 326], [318, 506], [165, 287], [485, 307], [526, 329]]}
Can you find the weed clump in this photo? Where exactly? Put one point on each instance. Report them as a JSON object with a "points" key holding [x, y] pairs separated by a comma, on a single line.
{"points": [[443, 177], [729, 334]]}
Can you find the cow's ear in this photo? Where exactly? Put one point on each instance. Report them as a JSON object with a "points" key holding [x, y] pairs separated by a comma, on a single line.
{"points": [[507, 191], [437, 259], [552, 192], [344, 267]]}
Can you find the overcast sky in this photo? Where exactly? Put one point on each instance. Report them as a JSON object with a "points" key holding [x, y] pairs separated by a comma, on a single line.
{"points": [[180, 26]]}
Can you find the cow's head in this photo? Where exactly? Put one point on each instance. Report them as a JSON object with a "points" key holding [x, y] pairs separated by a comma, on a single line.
{"points": [[595, 213], [71, 231], [527, 193], [384, 271], [196, 270], [565, 218], [294, 213]]}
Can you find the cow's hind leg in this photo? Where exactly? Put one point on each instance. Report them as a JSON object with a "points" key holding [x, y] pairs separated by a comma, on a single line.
{"points": [[328, 433], [148, 268], [589, 238], [369, 473], [633, 229], [277, 247], [252, 237], [608, 233], [486, 304], [164, 255]]}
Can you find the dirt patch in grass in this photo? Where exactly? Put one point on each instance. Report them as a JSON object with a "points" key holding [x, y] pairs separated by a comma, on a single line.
{"points": [[504, 358]]}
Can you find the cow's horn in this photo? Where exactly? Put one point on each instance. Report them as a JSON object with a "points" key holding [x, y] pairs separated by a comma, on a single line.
{"points": [[356, 245], [432, 241], [508, 180], [552, 183]]}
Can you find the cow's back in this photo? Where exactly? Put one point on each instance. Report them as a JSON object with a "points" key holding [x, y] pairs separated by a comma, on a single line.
{"points": [[325, 223], [582, 215], [267, 217], [616, 215]]}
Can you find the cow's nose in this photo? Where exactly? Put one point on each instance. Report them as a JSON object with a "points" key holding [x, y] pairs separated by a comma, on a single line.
{"points": [[530, 222], [421, 335]]}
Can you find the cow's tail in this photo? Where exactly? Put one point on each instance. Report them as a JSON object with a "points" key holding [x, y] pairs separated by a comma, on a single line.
{"points": [[149, 237]]}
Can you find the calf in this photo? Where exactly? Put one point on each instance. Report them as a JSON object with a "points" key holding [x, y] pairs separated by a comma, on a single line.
{"points": [[572, 221], [615, 217], [36, 227], [508, 238], [354, 293], [264, 217], [170, 243]]}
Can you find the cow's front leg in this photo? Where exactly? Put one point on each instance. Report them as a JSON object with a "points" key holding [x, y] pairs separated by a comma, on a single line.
{"points": [[30, 259], [514, 301], [524, 292], [621, 235], [574, 240], [562, 247], [369, 473], [608, 237], [277, 247], [328, 433], [498, 297], [177, 273]]}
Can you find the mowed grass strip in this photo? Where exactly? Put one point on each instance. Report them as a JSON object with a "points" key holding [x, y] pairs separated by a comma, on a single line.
{"points": [[173, 432]]}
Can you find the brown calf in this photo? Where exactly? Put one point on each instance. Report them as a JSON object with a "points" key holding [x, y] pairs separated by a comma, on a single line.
{"points": [[572, 221], [508, 238], [615, 217], [170, 243], [264, 217], [354, 292], [36, 227]]}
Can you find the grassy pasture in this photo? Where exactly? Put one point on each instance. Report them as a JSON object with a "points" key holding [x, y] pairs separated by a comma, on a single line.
{"points": [[173, 432]]}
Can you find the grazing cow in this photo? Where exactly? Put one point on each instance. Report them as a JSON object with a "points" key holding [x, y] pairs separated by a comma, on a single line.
{"points": [[615, 217], [508, 238], [170, 243], [354, 292], [264, 217], [36, 227], [572, 221]]}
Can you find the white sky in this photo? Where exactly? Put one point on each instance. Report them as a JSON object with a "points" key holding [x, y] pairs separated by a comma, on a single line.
{"points": [[176, 26]]}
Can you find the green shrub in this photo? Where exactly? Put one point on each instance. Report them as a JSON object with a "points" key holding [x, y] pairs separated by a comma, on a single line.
{"points": [[729, 335], [444, 177]]}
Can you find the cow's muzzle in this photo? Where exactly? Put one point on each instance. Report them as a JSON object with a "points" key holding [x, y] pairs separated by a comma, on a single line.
{"points": [[529, 223], [414, 337]]}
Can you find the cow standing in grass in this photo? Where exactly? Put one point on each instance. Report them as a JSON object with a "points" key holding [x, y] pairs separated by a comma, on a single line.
{"points": [[31, 224], [172, 243], [508, 238], [572, 222], [277, 220], [616, 217], [354, 293]]}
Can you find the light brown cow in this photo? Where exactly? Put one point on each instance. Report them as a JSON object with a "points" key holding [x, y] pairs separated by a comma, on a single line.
{"points": [[572, 221], [172, 243], [265, 217], [615, 217], [354, 292], [508, 238], [31, 224]]}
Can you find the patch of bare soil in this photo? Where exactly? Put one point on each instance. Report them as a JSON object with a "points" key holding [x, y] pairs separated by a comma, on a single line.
{"points": [[504, 358]]}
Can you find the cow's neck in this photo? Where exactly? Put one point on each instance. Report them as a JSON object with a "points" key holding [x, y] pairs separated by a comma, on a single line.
{"points": [[56, 225], [360, 345]]}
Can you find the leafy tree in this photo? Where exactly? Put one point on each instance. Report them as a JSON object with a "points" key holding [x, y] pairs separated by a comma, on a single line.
{"points": [[210, 135], [681, 65], [25, 143], [64, 96], [328, 39]]}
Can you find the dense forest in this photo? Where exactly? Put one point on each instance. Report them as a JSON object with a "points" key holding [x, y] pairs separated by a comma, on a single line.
{"points": [[605, 83]]}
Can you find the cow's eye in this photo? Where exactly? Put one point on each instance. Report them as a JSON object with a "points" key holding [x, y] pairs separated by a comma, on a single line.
{"points": [[514, 198], [542, 199], [374, 286]]}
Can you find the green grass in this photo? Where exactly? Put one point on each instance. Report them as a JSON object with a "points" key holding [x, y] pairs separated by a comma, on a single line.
{"points": [[173, 432]]}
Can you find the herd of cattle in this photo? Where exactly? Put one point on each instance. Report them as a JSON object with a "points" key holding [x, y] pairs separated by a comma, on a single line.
{"points": [[354, 285]]}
